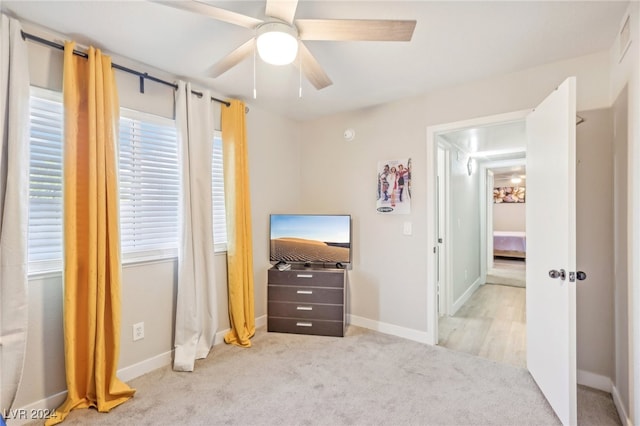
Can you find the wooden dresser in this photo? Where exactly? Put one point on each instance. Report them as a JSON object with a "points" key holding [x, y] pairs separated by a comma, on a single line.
{"points": [[306, 301]]}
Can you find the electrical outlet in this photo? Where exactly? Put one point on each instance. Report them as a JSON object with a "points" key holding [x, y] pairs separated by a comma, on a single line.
{"points": [[138, 331]]}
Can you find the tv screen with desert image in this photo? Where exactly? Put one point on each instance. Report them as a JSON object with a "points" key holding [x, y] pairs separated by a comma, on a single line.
{"points": [[310, 238]]}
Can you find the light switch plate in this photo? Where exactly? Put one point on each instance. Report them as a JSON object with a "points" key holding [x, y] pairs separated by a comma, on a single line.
{"points": [[407, 228]]}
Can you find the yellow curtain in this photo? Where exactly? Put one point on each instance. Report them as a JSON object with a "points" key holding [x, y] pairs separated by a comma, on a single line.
{"points": [[239, 244], [91, 236]]}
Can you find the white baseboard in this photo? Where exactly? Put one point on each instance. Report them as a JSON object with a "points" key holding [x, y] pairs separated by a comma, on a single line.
{"points": [[125, 374], [603, 383], [261, 321], [395, 330], [595, 381], [624, 418], [146, 366], [23, 415], [219, 338], [465, 297]]}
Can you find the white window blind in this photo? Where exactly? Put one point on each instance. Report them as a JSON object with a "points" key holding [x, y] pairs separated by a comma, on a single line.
{"points": [[148, 177], [217, 196], [45, 181], [149, 185]]}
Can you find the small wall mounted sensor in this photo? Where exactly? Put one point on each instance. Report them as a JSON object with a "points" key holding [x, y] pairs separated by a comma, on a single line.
{"points": [[349, 134]]}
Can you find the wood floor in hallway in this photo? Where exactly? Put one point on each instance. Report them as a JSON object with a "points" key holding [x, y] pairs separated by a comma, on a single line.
{"points": [[491, 324]]}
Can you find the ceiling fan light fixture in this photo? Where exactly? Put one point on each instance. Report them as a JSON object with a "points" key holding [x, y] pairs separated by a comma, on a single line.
{"points": [[277, 43]]}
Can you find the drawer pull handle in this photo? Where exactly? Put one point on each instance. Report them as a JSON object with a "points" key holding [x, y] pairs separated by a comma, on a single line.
{"points": [[305, 275], [305, 308], [305, 292], [304, 324]]}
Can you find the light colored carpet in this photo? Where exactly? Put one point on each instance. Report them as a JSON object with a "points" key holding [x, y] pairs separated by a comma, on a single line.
{"points": [[596, 408], [364, 378]]}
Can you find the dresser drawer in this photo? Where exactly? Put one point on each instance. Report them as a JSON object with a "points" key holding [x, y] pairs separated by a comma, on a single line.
{"points": [[302, 294], [306, 310], [306, 326], [311, 277]]}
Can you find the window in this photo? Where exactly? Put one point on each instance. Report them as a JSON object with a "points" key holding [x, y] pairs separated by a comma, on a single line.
{"points": [[149, 185], [217, 196], [148, 177], [45, 181]]}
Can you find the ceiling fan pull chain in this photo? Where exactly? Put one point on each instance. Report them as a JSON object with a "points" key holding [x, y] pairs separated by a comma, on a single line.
{"points": [[254, 73], [300, 77]]}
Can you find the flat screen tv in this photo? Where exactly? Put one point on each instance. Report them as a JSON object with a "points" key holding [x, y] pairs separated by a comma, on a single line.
{"points": [[310, 239]]}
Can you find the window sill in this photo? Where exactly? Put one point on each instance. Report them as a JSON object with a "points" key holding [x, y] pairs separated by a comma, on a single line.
{"points": [[56, 271]]}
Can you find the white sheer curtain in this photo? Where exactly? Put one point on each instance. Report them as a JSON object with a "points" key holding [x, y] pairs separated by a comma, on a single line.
{"points": [[14, 207], [196, 320]]}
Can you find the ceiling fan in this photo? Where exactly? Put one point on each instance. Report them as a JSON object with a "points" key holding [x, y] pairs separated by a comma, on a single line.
{"points": [[281, 27]]}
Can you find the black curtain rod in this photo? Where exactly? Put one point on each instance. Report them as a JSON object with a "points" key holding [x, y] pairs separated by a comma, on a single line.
{"points": [[142, 76]]}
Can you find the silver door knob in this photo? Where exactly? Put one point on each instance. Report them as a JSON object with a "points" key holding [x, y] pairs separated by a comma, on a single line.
{"points": [[554, 273], [581, 275]]}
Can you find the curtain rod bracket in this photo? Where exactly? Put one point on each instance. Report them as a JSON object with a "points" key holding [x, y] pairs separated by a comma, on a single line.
{"points": [[141, 77]]}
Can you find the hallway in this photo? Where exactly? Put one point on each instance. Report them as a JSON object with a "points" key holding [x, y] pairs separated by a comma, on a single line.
{"points": [[491, 324], [507, 271]]}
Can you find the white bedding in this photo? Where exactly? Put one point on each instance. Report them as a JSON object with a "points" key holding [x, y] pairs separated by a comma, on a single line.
{"points": [[505, 242]]}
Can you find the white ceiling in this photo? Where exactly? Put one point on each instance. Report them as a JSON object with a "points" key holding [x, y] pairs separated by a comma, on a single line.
{"points": [[494, 145], [490, 143], [502, 173], [454, 42]]}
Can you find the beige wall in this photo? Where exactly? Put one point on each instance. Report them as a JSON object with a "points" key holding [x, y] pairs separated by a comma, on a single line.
{"points": [[594, 242], [625, 81], [620, 248], [388, 280], [509, 217]]}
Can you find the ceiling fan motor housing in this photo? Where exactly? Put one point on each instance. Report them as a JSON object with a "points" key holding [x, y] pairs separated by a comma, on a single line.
{"points": [[277, 43]]}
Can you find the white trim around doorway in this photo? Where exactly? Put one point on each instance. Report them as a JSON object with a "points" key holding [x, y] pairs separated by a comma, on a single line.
{"points": [[431, 166]]}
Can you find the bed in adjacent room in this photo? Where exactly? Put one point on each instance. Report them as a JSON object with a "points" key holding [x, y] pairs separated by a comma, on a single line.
{"points": [[509, 244]]}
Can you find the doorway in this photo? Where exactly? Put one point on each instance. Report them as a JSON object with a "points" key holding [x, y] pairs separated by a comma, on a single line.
{"points": [[506, 222], [475, 150], [589, 163], [484, 202]]}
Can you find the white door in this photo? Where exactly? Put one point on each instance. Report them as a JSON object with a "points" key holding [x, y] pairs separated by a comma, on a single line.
{"points": [[551, 245]]}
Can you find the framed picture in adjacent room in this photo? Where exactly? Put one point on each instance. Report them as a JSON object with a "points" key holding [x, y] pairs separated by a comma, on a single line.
{"points": [[509, 194]]}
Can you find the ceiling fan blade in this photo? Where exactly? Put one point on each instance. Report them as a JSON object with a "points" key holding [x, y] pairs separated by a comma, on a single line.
{"points": [[282, 9], [312, 69], [213, 12], [355, 29], [232, 59]]}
